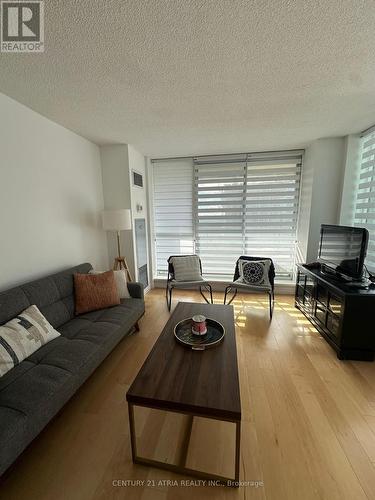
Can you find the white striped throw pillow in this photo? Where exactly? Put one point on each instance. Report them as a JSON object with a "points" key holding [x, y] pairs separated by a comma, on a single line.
{"points": [[186, 268], [22, 336]]}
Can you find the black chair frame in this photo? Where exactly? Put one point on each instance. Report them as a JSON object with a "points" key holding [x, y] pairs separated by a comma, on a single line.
{"points": [[271, 276], [169, 288]]}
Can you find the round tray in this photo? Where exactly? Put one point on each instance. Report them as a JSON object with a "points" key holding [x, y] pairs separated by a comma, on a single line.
{"points": [[215, 334]]}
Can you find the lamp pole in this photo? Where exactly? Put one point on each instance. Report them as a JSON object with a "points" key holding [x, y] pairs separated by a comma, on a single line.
{"points": [[118, 244]]}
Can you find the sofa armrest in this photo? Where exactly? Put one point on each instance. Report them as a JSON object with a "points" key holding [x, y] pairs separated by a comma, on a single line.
{"points": [[136, 290]]}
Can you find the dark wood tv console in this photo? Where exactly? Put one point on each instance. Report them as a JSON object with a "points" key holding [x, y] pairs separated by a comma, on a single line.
{"points": [[343, 314]]}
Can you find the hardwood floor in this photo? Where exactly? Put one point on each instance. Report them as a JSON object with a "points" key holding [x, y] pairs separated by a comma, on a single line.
{"points": [[308, 421]]}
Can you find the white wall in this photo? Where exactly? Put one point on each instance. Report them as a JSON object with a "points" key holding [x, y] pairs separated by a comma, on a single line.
{"points": [[50, 197], [138, 195], [329, 155], [351, 175], [116, 191], [322, 184], [307, 178], [137, 162]]}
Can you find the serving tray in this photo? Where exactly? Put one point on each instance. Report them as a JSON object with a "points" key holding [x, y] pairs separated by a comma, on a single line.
{"points": [[215, 334]]}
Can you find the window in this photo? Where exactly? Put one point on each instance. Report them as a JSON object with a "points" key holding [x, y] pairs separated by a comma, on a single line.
{"points": [[364, 215], [239, 204], [272, 195], [173, 211], [219, 198]]}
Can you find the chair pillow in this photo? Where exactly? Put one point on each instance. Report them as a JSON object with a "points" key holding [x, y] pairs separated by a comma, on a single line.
{"points": [[186, 268], [95, 291], [22, 336], [254, 272], [121, 282]]}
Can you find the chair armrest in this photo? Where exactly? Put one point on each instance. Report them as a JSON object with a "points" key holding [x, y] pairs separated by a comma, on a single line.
{"points": [[136, 290]]}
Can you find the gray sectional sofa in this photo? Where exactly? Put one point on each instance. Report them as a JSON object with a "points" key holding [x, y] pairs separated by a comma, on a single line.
{"points": [[33, 392]]}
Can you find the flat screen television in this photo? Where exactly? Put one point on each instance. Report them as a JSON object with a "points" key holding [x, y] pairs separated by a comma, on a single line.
{"points": [[343, 249]]}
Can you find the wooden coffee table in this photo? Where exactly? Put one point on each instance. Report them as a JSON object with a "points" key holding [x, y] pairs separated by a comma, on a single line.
{"points": [[196, 383]]}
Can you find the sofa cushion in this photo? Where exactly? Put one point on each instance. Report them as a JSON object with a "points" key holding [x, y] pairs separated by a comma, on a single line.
{"points": [[42, 292], [54, 296], [46, 295], [39, 394], [12, 303], [72, 327], [134, 307], [67, 354], [57, 313], [126, 313], [12, 426], [100, 333], [69, 307], [107, 326], [17, 372], [92, 316], [12, 435]]}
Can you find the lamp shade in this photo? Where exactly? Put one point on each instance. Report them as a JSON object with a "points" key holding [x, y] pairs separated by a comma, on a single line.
{"points": [[117, 220]]}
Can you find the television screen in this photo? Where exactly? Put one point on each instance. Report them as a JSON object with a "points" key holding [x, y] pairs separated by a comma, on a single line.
{"points": [[343, 249]]}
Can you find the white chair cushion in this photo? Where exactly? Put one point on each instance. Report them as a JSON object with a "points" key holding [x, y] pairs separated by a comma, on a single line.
{"points": [[188, 283], [254, 272], [186, 268], [256, 288]]}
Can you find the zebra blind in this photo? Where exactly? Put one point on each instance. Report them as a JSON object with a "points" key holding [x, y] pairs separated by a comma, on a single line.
{"points": [[221, 207], [173, 210], [219, 197], [272, 195], [247, 204], [364, 214]]}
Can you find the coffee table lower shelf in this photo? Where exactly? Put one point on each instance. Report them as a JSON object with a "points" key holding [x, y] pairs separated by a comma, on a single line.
{"points": [[181, 468]]}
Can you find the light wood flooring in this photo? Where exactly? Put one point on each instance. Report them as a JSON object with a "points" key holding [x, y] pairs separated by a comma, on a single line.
{"points": [[308, 421]]}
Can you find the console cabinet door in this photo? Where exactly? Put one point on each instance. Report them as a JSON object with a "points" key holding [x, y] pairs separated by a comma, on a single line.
{"points": [[333, 326], [305, 292], [335, 311], [300, 288]]}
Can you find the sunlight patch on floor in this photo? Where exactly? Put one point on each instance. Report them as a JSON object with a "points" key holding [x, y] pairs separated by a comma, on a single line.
{"points": [[249, 306], [243, 308]]}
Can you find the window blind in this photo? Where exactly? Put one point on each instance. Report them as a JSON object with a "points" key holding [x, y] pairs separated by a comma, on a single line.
{"points": [[221, 207], [364, 214], [173, 210], [272, 196], [247, 204], [219, 193]]}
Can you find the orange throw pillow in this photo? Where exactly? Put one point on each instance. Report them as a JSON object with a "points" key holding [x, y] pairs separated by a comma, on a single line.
{"points": [[95, 291]]}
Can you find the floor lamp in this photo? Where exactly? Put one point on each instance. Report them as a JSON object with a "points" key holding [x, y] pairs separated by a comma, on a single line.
{"points": [[118, 220]]}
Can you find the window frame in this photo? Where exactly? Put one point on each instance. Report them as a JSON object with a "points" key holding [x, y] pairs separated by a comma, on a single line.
{"points": [[365, 184], [291, 157]]}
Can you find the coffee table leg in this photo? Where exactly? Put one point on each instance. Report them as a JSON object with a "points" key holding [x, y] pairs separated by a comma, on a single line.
{"points": [[185, 442], [181, 469], [132, 431], [238, 446]]}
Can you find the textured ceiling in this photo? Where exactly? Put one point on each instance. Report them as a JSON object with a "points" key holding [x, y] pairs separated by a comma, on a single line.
{"points": [[176, 77]]}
